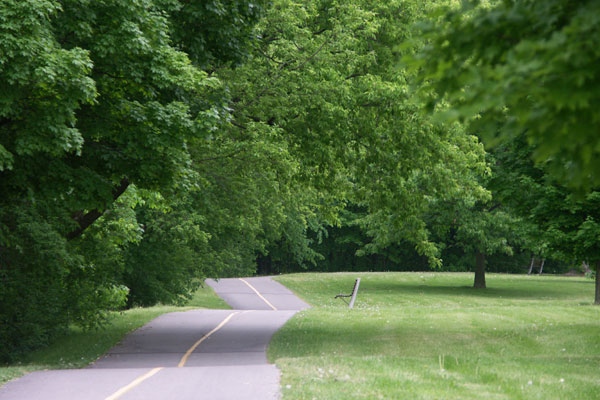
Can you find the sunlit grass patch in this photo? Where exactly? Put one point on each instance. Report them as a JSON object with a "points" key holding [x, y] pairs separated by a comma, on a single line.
{"points": [[431, 336], [205, 297]]}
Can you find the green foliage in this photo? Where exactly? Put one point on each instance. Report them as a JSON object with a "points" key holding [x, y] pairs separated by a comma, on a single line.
{"points": [[463, 230], [163, 266], [224, 35], [33, 271], [42, 85], [324, 74], [457, 230], [553, 221], [94, 97], [240, 197], [522, 66], [46, 284]]}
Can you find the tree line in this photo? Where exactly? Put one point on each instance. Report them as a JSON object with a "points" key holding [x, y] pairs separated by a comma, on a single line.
{"points": [[149, 144]]}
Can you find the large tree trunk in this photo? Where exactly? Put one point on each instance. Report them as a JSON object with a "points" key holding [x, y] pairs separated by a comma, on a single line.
{"points": [[542, 266], [479, 271], [597, 298]]}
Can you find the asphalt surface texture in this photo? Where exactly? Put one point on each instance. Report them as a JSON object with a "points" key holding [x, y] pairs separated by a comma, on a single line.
{"points": [[198, 354]]}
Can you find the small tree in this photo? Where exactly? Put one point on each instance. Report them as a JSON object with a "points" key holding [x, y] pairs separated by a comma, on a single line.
{"points": [[478, 229]]}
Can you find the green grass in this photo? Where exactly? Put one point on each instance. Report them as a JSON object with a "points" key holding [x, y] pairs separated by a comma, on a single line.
{"points": [[205, 297], [78, 348], [431, 336]]}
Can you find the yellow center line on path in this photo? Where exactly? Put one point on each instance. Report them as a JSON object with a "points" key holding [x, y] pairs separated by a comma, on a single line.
{"points": [[133, 384], [191, 350], [259, 295]]}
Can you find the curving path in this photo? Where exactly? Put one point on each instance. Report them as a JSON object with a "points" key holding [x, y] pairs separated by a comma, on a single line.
{"points": [[198, 354]]}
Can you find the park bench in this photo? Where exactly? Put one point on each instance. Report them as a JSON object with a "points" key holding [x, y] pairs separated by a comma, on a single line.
{"points": [[352, 295]]}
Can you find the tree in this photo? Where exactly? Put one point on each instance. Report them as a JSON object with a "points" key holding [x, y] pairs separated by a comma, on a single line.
{"points": [[324, 76], [555, 222], [95, 97], [518, 66], [485, 231], [479, 227]]}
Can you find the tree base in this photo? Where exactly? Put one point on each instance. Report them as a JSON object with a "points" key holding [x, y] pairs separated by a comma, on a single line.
{"points": [[479, 271]]}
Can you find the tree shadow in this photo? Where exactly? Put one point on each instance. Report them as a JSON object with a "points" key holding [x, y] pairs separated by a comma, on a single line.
{"points": [[532, 291]]}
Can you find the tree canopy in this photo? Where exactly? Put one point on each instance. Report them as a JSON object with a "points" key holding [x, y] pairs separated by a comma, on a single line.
{"points": [[516, 66], [325, 75], [98, 100]]}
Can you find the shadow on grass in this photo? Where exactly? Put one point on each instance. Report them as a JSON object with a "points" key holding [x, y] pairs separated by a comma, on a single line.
{"points": [[525, 290]]}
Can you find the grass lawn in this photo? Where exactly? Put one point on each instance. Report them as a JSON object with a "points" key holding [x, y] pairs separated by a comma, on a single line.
{"points": [[431, 336], [79, 348]]}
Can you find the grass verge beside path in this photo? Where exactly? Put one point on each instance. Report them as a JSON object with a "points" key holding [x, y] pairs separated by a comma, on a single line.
{"points": [[78, 348], [431, 336]]}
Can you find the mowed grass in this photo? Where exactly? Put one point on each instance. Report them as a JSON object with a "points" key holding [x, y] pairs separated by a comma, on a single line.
{"points": [[78, 348], [431, 336]]}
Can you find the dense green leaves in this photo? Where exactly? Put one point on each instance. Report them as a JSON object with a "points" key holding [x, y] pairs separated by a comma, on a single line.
{"points": [[325, 74], [95, 97], [224, 35], [42, 84], [523, 66]]}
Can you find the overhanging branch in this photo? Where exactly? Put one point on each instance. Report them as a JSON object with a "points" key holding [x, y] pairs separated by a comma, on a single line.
{"points": [[85, 220]]}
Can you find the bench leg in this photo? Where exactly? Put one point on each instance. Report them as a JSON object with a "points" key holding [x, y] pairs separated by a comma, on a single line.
{"points": [[354, 292]]}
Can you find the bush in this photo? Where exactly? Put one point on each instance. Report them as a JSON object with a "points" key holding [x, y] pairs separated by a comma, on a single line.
{"points": [[46, 283], [34, 268]]}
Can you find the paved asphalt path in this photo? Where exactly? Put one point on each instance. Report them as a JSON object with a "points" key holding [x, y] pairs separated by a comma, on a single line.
{"points": [[198, 354]]}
